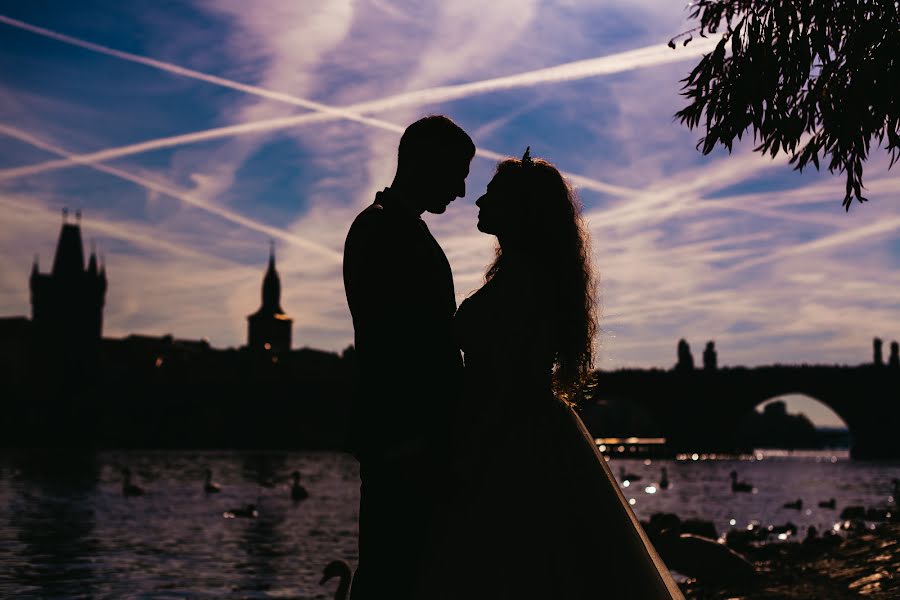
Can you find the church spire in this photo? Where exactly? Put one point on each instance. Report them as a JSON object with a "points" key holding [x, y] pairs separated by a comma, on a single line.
{"points": [[269, 328], [271, 290]]}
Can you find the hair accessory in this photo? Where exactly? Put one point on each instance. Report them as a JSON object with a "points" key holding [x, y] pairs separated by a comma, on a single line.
{"points": [[526, 158]]}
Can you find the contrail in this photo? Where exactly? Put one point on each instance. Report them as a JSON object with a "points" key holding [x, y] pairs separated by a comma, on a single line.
{"points": [[867, 232], [657, 54], [160, 143], [623, 61], [336, 112], [180, 195], [92, 158], [128, 233]]}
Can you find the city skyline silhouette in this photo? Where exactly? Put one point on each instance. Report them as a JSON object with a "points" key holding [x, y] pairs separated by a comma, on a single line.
{"points": [[268, 329], [60, 328]]}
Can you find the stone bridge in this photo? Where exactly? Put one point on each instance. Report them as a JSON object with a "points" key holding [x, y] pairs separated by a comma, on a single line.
{"points": [[700, 409]]}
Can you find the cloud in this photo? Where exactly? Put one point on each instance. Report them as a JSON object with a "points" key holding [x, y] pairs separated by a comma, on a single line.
{"points": [[654, 55], [186, 197], [733, 248]]}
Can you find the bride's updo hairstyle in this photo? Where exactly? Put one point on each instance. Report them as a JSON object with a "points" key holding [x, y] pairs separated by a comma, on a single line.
{"points": [[549, 236]]}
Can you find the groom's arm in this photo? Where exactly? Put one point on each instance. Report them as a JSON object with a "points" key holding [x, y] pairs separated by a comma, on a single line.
{"points": [[384, 296], [382, 284]]}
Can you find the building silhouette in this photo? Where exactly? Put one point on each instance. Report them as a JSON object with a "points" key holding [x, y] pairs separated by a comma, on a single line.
{"points": [[269, 328], [145, 391], [67, 303], [877, 357], [64, 384], [685, 358], [710, 357]]}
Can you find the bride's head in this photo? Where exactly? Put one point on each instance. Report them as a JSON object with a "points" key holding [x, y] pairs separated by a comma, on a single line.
{"points": [[536, 217]]}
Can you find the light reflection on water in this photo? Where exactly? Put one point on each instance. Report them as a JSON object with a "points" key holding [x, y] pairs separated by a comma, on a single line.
{"points": [[700, 487], [67, 531]]}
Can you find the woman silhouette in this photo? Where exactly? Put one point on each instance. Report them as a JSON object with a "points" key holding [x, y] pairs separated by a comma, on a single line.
{"points": [[538, 513]]}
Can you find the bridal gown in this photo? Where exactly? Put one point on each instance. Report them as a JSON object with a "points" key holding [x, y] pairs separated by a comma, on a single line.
{"points": [[537, 513]]}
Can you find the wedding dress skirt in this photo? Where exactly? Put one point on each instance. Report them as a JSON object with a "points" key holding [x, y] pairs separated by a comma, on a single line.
{"points": [[536, 513], [544, 519]]}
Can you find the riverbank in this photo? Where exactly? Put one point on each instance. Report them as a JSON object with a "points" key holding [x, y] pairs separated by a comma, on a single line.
{"points": [[866, 564]]}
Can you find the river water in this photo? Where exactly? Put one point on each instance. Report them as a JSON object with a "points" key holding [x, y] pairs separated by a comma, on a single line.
{"points": [[67, 531]]}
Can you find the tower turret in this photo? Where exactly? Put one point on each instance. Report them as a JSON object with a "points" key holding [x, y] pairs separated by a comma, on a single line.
{"points": [[685, 358], [92, 265], [877, 356], [67, 303], [69, 258], [710, 356]]}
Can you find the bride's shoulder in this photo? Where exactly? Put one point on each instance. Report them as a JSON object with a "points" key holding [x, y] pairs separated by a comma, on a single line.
{"points": [[471, 301]]}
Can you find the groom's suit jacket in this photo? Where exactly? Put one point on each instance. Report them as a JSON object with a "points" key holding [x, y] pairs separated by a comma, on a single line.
{"points": [[409, 370]]}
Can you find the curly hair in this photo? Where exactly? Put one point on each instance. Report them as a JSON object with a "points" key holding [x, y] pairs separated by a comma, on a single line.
{"points": [[559, 254]]}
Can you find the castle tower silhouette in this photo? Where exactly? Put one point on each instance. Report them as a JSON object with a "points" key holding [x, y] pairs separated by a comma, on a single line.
{"points": [[67, 303], [269, 328]]}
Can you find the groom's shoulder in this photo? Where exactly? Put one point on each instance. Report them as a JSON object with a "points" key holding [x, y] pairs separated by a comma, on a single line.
{"points": [[372, 221], [372, 214]]}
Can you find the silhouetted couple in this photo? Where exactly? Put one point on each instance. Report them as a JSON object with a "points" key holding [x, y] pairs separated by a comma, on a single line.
{"points": [[479, 481]]}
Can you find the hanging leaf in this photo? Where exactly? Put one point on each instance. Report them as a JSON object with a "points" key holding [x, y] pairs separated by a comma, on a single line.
{"points": [[828, 70]]}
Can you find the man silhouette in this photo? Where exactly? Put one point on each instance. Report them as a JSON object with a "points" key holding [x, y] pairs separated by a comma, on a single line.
{"points": [[400, 291]]}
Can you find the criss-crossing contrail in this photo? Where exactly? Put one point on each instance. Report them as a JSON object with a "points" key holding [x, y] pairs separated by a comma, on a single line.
{"points": [[336, 112], [622, 61], [134, 235], [181, 195], [73, 160], [657, 54]]}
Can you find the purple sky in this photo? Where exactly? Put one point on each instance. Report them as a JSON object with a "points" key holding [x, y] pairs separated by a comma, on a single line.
{"points": [[739, 249]]}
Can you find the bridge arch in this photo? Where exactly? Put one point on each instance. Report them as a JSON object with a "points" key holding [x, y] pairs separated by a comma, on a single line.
{"points": [[792, 421]]}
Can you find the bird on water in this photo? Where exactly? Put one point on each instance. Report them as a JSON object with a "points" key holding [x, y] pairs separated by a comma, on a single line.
{"points": [[298, 492], [338, 568], [210, 487], [129, 489], [739, 486]]}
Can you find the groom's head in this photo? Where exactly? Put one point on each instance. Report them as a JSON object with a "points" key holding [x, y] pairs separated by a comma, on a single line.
{"points": [[433, 163]]}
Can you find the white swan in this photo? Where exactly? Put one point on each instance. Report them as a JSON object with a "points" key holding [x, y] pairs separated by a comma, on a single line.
{"points": [[298, 492], [129, 489], [632, 477], [338, 568], [739, 486], [208, 486]]}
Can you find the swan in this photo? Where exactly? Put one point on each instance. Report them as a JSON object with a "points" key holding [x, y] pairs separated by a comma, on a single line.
{"points": [[664, 480], [796, 505], [628, 476], [787, 528], [298, 492], [248, 512], [739, 486], [208, 486], [129, 489], [266, 482], [828, 504], [338, 568]]}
